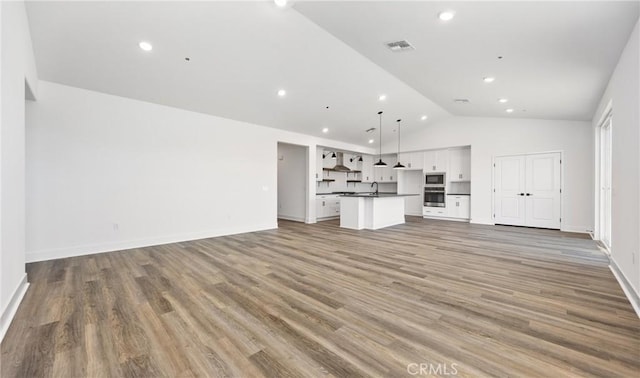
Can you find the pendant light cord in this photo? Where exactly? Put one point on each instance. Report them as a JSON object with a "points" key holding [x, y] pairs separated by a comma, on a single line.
{"points": [[380, 150], [399, 139]]}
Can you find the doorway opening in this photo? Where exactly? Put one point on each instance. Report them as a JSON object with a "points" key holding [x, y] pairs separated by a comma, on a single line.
{"points": [[605, 145], [292, 182]]}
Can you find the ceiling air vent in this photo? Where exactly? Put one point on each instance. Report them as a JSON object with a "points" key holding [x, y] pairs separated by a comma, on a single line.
{"points": [[400, 46], [461, 100]]}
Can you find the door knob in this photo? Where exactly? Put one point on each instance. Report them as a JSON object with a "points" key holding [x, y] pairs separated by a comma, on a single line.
{"points": [[521, 194], [529, 194]]}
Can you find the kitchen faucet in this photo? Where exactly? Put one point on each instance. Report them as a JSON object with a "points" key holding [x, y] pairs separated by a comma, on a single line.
{"points": [[375, 182]]}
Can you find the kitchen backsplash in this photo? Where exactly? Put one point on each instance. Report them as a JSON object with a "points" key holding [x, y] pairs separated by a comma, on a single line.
{"points": [[340, 185]]}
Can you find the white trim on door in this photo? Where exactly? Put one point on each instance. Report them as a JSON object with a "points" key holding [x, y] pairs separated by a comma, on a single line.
{"points": [[521, 159]]}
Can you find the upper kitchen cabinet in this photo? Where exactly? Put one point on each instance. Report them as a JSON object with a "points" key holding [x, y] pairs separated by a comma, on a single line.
{"points": [[459, 164], [436, 160], [366, 166], [386, 174], [412, 160]]}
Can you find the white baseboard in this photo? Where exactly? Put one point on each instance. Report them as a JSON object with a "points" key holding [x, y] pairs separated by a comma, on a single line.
{"points": [[629, 291], [487, 221], [577, 229], [9, 312], [291, 218], [447, 219], [564, 228], [59, 253]]}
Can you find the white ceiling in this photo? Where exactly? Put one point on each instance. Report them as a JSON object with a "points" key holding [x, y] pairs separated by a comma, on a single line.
{"points": [[241, 54], [557, 58]]}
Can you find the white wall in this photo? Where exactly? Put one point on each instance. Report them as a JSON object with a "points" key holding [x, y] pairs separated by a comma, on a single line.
{"points": [[292, 182], [160, 174], [623, 92], [17, 68], [490, 137]]}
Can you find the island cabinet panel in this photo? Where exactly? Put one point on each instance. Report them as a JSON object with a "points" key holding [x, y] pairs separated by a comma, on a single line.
{"points": [[371, 212]]}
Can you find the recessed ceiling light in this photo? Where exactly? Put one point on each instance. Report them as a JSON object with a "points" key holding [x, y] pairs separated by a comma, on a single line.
{"points": [[446, 15], [382, 97], [424, 118], [488, 79], [371, 141], [280, 3], [509, 110], [502, 100], [325, 130], [282, 93], [146, 46]]}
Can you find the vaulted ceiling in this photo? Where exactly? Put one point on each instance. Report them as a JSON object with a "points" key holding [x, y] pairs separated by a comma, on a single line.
{"points": [[550, 60], [331, 58]]}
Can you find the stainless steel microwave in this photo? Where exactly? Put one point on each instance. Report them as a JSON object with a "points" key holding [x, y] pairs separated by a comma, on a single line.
{"points": [[434, 179]]}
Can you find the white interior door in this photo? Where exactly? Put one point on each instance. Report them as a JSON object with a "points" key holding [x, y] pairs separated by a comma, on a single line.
{"points": [[509, 185], [542, 196]]}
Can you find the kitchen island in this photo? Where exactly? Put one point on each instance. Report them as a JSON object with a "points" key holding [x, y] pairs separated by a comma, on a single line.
{"points": [[371, 211]]}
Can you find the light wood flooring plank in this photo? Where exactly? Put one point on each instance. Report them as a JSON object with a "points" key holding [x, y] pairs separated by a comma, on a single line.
{"points": [[318, 300]]}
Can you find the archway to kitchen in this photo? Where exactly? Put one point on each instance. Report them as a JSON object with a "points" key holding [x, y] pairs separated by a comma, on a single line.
{"points": [[292, 182]]}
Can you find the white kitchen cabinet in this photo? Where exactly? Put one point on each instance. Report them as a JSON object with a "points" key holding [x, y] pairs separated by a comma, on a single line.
{"points": [[386, 174], [412, 160], [320, 203], [436, 160], [458, 206], [435, 212], [391, 175], [327, 206], [459, 165], [366, 166], [411, 182], [403, 158], [319, 164]]}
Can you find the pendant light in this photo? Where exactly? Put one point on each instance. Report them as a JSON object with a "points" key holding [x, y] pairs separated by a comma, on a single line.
{"points": [[380, 163], [398, 164]]}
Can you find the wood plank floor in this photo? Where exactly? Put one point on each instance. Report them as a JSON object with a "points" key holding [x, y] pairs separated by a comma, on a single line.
{"points": [[317, 300]]}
